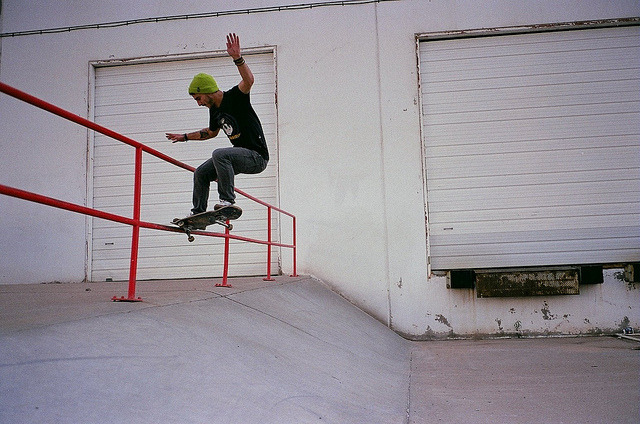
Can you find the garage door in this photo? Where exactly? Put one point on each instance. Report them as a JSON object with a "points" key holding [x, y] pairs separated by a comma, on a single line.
{"points": [[532, 148], [143, 101]]}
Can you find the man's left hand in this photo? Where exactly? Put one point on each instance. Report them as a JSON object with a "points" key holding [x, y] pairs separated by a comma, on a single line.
{"points": [[233, 46]]}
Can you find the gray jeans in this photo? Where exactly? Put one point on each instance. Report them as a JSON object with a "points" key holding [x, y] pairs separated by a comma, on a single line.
{"points": [[223, 166]]}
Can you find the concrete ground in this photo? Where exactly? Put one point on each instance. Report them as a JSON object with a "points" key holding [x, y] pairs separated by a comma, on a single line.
{"points": [[289, 351]]}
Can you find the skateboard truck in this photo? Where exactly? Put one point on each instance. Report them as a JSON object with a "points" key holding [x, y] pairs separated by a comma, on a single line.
{"points": [[225, 224], [188, 230]]}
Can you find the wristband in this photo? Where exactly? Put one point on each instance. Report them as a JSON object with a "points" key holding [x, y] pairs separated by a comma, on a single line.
{"points": [[239, 61], [185, 137]]}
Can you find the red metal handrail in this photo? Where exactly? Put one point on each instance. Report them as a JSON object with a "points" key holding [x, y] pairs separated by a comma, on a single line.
{"points": [[135, 222]]}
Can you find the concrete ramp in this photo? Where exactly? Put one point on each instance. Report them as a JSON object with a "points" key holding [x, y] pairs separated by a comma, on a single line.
{"points": [[261, 352], [289, 352]]}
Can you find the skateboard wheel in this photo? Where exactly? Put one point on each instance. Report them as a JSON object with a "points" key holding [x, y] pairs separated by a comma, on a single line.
{"points": [[230, 227], [191, 239]]}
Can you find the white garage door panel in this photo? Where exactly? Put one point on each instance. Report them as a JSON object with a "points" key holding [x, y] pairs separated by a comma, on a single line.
{"points": [[539, 246], [528, 137], [568, 193], [529, 162], [525, 97], [626, 176], [554, 128], [166, 189], [558, 246], [533, 259], [500, 212], [533, 146]]}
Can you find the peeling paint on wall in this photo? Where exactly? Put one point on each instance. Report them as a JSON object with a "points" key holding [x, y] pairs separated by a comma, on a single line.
{"points": [[546, 313], [442, 319], [624, 323]]}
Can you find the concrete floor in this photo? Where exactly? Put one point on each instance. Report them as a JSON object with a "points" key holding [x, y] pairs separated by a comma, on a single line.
{"points": [[285, 352]]}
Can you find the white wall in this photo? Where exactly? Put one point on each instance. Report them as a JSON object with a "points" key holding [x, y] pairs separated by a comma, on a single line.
{"points": [[349, 139], [423, 307]]}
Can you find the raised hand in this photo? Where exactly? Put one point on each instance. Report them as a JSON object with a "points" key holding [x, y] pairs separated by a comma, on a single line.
{"points": [[233, 45]]}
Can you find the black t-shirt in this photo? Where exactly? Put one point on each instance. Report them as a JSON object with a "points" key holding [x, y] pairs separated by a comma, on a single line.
{"points": [[239, 121]]}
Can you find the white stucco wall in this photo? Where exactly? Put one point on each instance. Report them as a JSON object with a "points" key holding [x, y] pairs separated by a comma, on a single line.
{"points": [[350, 150]]}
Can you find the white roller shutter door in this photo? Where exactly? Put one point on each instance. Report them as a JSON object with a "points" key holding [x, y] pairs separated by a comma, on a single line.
{"points": [[532, 148], [143, 101]]}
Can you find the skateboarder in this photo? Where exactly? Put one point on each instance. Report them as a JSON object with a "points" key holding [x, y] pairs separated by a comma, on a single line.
{"points": [[232, 112]]}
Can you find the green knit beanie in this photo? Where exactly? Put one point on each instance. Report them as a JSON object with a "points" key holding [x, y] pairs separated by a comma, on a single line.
{"points": [[203, 83]]}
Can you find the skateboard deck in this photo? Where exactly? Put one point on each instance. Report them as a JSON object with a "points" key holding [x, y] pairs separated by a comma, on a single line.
{"points": [[200, 221]]}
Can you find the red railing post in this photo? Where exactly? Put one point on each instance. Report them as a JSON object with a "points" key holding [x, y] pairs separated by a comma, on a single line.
{"points": [[295, 274], [225, 267], [268, 277], [135, 237]]}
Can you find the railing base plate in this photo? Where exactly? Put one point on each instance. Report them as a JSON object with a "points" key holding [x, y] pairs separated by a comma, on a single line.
{"points": [[126, 299]]}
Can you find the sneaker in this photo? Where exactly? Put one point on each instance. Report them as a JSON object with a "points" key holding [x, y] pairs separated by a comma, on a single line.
{"points": [[222, 204]]}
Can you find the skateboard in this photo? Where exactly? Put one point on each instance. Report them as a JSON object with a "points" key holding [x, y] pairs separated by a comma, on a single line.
{"points": [[200, 221]]}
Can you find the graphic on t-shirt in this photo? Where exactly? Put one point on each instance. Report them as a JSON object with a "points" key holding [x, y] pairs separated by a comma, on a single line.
{"points": [[229, 126]]}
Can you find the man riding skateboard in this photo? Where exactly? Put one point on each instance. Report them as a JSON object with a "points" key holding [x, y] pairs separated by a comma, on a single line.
{"points": [[232, 112]]}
